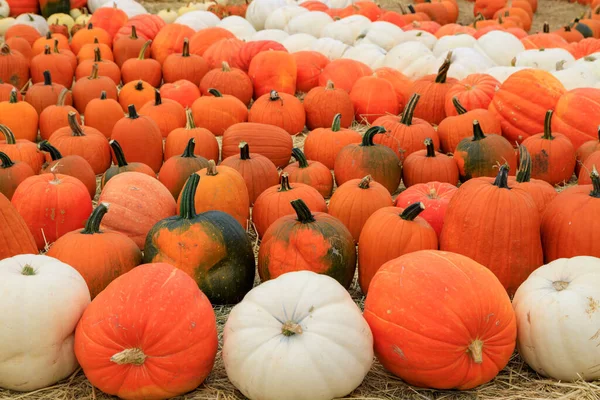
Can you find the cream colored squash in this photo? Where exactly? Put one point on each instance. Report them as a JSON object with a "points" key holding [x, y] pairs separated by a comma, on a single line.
{"points": [[61, 19], [130, 7], [6, 23], [358, 24], [168, 15], [297, 337], [382, 34], [465, 61], [502, 73], [198, 20], [93, 5], [339, 31], [416, 35], [83, 19], [276, 35], [413, 59], [4, 9], [579, 75], [558, 319], [330, 48], [241, 28], [592, 61], [545, 59], [500, 47], [42, 301], [36, 21], [259, 10], [279, 18], [298, 42], [369, 54], [449, 42], [311, 22]]}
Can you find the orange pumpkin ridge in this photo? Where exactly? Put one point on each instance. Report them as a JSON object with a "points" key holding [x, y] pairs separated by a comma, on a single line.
{"points": [[12, 173], [428, 166], [177, 140], [21, 149], [15, 236], [142, 68], [311, 173]]}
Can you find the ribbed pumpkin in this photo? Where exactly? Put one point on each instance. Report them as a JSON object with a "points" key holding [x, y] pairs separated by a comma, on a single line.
{"points": [[27, 32], [111, 19], [41, 199], [19, 44], [88, 35], [309, 66], [87, 89], [129, 46], [168, 114], [86, 142], [322, 104], [399, 81], [356, 200], [58, 64], [228, 81], [137, 93], [142, 68], [344, 73], [102, 114], [184, 66], [20, 116], [123, 166], [577, 115], [12, 173], [372, 98], [95, 50], [223, 50], [137, 202], [571, 220], [56, 116], [105, 68], [217, 112], [177, 140], [204, 38], [278, 109], [474, 92], [258, 171], [45, 94], [324, 144], [182, 91], [405, 134], [307, 241], [140, 138], [147, 26], [169, 40], [21, 149], [273, 70], [590, 163], [15, 237], [468, 229], [250, 49], [480, 155], [389, 233], [274, 202], [14, 67], [522, 99], [428, 166], [585, 150], [354, 161], [99, 255], [468, 351], [177, 169], [553, 155], [222, 188], [5, 91], [270, 141], [72, 165], [211, 247], [309, 172]]}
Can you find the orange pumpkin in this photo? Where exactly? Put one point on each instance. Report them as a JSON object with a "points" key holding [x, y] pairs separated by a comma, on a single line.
{"points": [[147, 26], [273, 70], [142, 68], [111, 19], [204, 38], [399, 81], [323, 103], [344, 73], [176, 170], [475, 91], [206, 143], [184, 66], [20, 45], [217, 112], [372, 98], [584, 177], [14, 67], [27, 32], [103, 113], [169, 40], [278, 109], [324, 144], [12, 173], [309, 172], [182, 91], [426, 166], [168, 114], [309, 65], [87, 89], [56, 116], [577, 115], [122, 165], [20, 116], [585, 150], [227, 80], [127, 47], [105, 68], [88, 52], [137, 93], [15, 237], [89, 35], [270, 141], [224, 50], [21, 149], [250, 49]]}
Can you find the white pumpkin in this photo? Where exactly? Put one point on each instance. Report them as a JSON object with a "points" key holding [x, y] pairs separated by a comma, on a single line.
{"points": [[276, 35], [297, 337], [369, 54], [343, 3], [338, 31], [259, 10], [42, 301], [558, 319], [4, 9], [199, 20], [311, 22], [449, 42], [6, 23], [358, 24], [237, 25], [330, 48], [61, 19], [93, 5], [130, 7], [545, 59], [279, 18], [500, 47], [299, 42], [465, 61], [168, 15], [413, 59], [415, 35], [83, 19], [382, 34], [189, 7], [591, 61], [36, 21], [577, 76], [502, 73]]}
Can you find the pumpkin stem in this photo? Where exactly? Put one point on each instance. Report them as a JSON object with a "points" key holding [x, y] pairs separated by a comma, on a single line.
{"points": [[460, 109], [524, 171], [44, 145], [409, 110], [103, 95], [284, 183], [215, 92], [8, 134], [475, 350], [190, 124], [548, 126], [12, 98], [290, 329], [225, 66], [90, 26], [56, 49], [595, 183], [133, 33], [97, 55], [244, 151], [188, 152], [133, 356], [186, 48], [5, 160], [92, 225], [75, 127], [412, 211], [187, 208], [118, 151], [300, 157], [61, 97], [546, 28], [132, 112], [211, 170], [337, 120], [501, 180], [430, 148], [477, 131], [302, 211], [47, 50], [142, 55], [365, 182], [443, 71], [139, 86], [274, 96], [47, 78], [367, 139], [157, 98], [94, 73], [560, 285], [5, 49], [28, 270], [330, 85]]}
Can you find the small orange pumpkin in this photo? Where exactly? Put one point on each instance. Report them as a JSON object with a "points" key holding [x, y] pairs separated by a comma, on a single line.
{"points": [[324, 144], [309, 172], [20, 116], [178, 139], [103, 113], [426, 166], [282, 110], [168, 114], [217, 112], [184, 66], [227, 80], [12, 173], [142, 68]]}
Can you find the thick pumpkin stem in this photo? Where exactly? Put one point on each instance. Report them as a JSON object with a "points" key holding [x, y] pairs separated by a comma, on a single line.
{"points": [[92, 225], [367, 139], [142, 54], [133, 356], [300, 157], [595, 183], [225, 67], [5, 161], [47, 50], [477, 131], [118, 151], [502, 178], [90, 26], [189, 116], [475, 350], [103, 95], [302, 211], [132, 112], [9, 136], [60, 102], [291, 328], [365, 182], [443, 71], [186, 48], [187, 208], [47, 78], [284, 183], [97, 55], [430, 148], [412, 211], [548, 126], [244, 151], [28, 270], [12, 97], [94, 72], [330, 85], [139, 86], [157, 98], [274, 96], [211, 170], [189, 149], [460, 109], [524, 171], [5, 50], [76, 129], [546, 28], [215, 92], [133, 33], [56, 49], [44, 145], [337, 123], [409, 110]]}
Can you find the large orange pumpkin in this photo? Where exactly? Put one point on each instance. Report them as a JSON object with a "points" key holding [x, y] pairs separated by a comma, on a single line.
{"points": [[176, 170], [12, 173], [309, 65], [21, 150], [14, 67], [169, 40], [184, 66], [168, 114], [473, 92], [270, 141], [217, 112], [273, 70], [102, 114], [324, 144], [177, 140], [373, 97], [20, 116], [577, 115], [227, 80], [278, 109], [322, 104], [224, 50], [206, 37], [15, 236], [90, 88], [344, 72]]}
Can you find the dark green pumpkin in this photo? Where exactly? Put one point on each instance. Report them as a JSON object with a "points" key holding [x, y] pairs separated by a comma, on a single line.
{"points": [[585, 30], [211, 247], [50, 7]]}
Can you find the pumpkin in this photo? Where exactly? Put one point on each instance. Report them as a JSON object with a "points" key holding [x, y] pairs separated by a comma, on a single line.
{"points": [[270, 141], [5, 91], [21, 149], [14, 67], [147, 26], [324, 144], [223, 50], [309, 66], [426, 166], [89, 35], [579, 126], [307, 241], [15, 236], [373, 97], [250, 49], [137, 93], [12, 173], [344, 73], [468, 351], [228, 81], [123, 166], [168, 114], [435, 196], [323, 103], [204, 38], [176, 305], [182, 91], [102, 114], [299, 303], [111, 19], [87, 89], [20, 117], [273, 70], [309, 172], [177, 169], [399, 81], [478, 200], [27, 32], [50, 357], [40, 198], [177, 140], [223, 189], [86, 142], [169, 40], [72, 165], [212, 248], [367, 158], [184, 66], [88, 52], [18, 7], [105, 68], [19, 45], [478, 156], [45, 94], [274, 203], [217, 112], [584, 151], [129, 46], [142, 68], [518, 102], [389, 233], [282, 110], [55, 116], [473, 92], [563, 289]]}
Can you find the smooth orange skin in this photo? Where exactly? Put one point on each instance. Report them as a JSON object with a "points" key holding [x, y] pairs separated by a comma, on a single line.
{"points": [[553, 160], [147, 70], [105, 68], [15, 236], [405, 139], [111, 19], [475, 91], [273, 70], [175, 328], [462, 302], [59, 66], [147, 26], [373, 97], [182, 91], [204, 38], [55, 117], [125, 47], [590, 162], [27, 32], [223, 50], [93, 147], [541, 191], [577, 115], [344, 73], [86, 90], [141, 141], [309, 65], [544, 40], [399, 81], [453, 29], [217, 114], [54, 204], [169, 40], [268, 140], [323, 144], [431, 107], [455, 128], [11, 177], [22, 119], [88, 36], [191, 68], [250, 49], [19, 44], [315, 175], [77, 167], [87, 52], [130, 95], [206, 143], [234, 82], [418, 168], [386, 236], [321, 105], [41, 96], [26, 151], [286, 112], [169, 115], [258, 172], [103, 115], [584, 151]]}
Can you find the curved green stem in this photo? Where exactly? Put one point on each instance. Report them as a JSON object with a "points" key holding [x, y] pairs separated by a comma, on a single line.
{"points": [[477, 131], [5, 161], [187, 208], [548, 126], [9, 136], [443, 71], [92, 225], [142, 54], [215, 92], [409, 110], [524, 171], [412, 211], [44, 145], [119, 155], [302, 211], [337, 122], [300, 157], [367, 139], [284, 183], [460, 109]]}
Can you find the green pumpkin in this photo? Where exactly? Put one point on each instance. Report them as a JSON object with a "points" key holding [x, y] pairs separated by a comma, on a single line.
{"points": [[50, 7]]}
